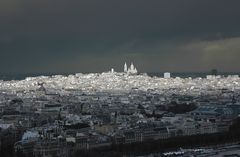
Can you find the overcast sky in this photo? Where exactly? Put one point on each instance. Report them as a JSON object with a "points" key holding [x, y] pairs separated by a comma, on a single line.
{"points": [[40, 36]]}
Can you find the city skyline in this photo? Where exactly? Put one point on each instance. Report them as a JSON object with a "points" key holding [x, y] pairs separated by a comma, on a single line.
{"points": [[119, 78]]}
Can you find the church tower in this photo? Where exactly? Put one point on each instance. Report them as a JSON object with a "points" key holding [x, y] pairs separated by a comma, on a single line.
{"points": [[131, 69], [125, 68]]}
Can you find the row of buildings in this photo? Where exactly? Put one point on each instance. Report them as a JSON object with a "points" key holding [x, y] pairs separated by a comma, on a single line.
{"points": [[57, 116]]}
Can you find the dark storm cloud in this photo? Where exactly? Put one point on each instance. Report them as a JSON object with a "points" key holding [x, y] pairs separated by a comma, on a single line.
{"points": [[92, 35]]}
